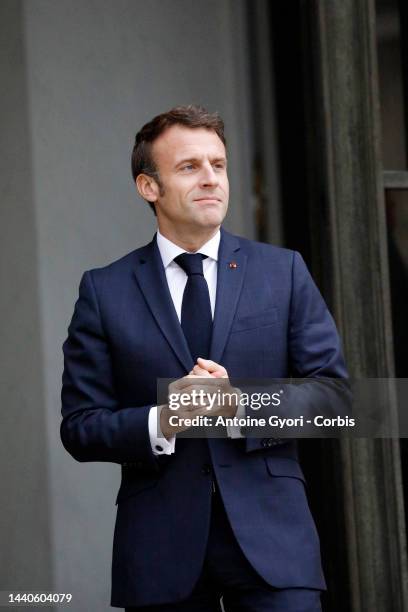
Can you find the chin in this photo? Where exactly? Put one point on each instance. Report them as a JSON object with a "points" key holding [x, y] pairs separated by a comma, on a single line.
{"points": [[212, 221], [212, 216]]}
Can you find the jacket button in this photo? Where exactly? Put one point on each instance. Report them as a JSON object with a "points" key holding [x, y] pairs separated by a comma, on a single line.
{"points": [[267, 442], [206, 469]]}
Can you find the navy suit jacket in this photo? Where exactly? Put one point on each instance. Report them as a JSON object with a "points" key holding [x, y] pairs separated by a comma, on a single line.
{"points": [[270, 321]]}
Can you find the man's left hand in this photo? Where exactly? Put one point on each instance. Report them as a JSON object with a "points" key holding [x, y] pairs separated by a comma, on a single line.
{"points": [[205, 368]]}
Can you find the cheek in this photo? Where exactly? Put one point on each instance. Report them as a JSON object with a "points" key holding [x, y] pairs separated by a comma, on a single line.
{"points": [[189, 191]]}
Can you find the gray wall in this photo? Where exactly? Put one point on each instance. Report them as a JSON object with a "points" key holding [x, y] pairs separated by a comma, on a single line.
{"points": [[80, 76], [25, 534]]}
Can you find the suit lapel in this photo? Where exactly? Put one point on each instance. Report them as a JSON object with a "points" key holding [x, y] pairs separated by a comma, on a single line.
{"points": [[230, 277], [151, 277]]}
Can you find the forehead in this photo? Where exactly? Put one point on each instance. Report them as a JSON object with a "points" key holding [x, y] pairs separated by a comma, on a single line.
{"points": [[179, 142]]}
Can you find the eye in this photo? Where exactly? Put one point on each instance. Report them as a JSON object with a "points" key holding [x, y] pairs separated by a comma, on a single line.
{"points": [[219, 165], [187, 168]]}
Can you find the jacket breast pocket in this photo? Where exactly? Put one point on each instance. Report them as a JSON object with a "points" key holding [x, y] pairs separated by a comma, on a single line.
{"points": [[253, 321]]}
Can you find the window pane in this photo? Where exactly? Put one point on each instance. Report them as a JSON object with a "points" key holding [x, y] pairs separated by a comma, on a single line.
{"points": [[391, 82]]}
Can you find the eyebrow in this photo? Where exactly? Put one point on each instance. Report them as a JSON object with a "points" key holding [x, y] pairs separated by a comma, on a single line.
{"points": [[189, 160]]}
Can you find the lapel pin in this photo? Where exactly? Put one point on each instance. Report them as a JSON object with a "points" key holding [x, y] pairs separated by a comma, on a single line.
{"points": [[233, 265]]}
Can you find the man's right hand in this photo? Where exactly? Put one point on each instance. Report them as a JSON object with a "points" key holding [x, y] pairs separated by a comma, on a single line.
{"points": [[182, 385]]}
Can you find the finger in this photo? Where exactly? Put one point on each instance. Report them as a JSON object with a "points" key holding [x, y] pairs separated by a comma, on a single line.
{"points": [[196, 389], [200, 371], [184, 382], [211, 366], [219, 374]]}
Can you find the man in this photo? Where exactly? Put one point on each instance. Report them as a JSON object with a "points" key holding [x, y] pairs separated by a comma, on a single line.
{"points": [[197, 518]]}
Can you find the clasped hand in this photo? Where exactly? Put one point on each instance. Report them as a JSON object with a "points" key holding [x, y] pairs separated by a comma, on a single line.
{"points": [[202, 392]]}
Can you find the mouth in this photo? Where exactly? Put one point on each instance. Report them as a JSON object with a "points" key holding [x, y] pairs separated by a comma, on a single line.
{"points": [[208, 200]]}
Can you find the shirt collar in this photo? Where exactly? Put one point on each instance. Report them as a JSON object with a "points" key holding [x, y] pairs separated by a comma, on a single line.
{"points": [[169, 250]]}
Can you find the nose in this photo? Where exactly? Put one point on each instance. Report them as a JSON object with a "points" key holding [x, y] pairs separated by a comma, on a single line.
{"points": [[208, 177]]}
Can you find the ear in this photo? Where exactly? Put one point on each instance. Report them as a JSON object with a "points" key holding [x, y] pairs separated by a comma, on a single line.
{"points": [[147, 187]]}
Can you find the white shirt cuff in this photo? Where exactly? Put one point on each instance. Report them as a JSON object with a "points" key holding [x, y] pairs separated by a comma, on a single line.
{"points": [[160, 446], [234, 431]]}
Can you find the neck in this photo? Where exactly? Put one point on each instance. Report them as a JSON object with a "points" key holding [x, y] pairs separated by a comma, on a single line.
{"points": [[192, 242]]}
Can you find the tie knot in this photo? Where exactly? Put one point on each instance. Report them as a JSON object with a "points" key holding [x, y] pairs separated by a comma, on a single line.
{"points": [[191, 263]]}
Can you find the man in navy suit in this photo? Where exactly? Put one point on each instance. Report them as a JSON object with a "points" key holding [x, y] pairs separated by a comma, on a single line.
{"points": [[201, 518]]}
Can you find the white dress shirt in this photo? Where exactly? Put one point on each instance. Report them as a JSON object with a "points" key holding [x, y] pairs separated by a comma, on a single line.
{"points": [[177, 280]]}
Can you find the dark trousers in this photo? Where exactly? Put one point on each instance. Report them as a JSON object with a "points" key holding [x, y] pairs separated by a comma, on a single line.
{"points": [[228, 574]]}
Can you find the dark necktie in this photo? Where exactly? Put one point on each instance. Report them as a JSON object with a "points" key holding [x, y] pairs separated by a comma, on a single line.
{"points": [[196, 319]]}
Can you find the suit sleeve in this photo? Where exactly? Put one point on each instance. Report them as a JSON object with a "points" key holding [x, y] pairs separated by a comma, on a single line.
{"points": [[94, 426], [314, 344], [315, 357]]}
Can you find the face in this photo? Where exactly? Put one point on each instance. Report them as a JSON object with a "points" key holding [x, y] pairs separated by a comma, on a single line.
{"points": [[192, 166]]}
